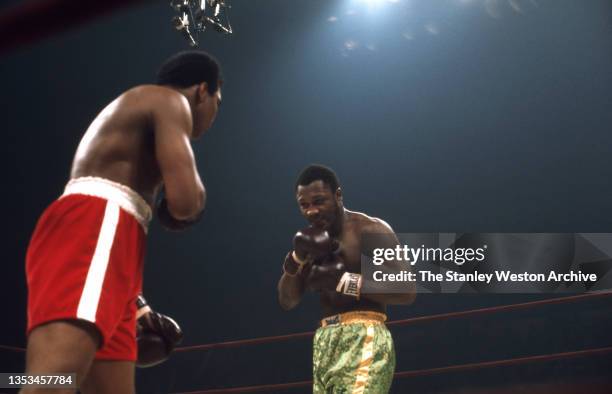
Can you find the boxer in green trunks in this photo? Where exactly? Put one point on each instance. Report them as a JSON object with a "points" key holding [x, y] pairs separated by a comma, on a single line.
{"points": [[353, 350]]}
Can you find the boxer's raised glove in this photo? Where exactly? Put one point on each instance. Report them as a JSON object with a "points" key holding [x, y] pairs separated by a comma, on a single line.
{"points": [[170, 222], [309, 244], [332, 275], [156, 335]]}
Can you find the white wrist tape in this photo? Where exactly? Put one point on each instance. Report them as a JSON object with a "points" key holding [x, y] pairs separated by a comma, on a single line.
{"points": [[350, 284]]}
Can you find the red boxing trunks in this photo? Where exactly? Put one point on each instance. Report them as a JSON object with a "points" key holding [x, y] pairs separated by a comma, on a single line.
{"points": [[85, 261]]}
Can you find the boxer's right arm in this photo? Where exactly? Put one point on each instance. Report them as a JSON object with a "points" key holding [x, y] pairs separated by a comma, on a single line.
{"points": [[309, 244], [184, 191], [291, 288]]}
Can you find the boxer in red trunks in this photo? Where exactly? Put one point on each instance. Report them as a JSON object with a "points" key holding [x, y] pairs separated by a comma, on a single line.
{"points": [[85, 259]]}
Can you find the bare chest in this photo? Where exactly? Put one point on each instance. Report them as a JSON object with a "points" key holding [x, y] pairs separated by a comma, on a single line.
{"points": [[350, 251]]}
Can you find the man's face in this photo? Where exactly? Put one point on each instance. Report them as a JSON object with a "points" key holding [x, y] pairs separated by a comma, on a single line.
{"points": [[318, 204], [206, 111]]}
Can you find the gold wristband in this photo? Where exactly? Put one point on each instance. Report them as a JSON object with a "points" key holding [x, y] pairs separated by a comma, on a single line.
{"points": [[297, 259], [292, 258]]}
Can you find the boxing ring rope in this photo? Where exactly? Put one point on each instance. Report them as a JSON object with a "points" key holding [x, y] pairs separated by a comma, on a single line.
{"points": [[31, 21], [422, 372], [404, 322], [409, 321], [405, 374], [12, 348]]}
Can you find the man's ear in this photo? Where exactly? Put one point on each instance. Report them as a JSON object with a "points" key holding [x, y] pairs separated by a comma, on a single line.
{"points": [[202, 91], [339, 194]]}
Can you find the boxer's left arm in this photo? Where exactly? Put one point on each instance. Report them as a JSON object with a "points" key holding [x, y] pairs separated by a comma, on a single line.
{"points": [[184, 192]]}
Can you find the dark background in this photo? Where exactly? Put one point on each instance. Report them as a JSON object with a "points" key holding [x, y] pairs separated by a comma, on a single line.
{"points": [[438, 116]]}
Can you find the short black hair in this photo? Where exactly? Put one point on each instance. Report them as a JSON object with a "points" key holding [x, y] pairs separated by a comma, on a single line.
{"points": [[318, 172], [188, 68]]}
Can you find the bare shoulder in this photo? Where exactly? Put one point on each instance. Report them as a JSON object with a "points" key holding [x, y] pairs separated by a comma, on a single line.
{"points": [[156, 96], [370, 224], [167, 108]]}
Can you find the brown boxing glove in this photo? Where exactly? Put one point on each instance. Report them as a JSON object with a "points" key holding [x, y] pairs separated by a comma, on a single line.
{"points": [[309, 245], [332, 275], [156, 335]]}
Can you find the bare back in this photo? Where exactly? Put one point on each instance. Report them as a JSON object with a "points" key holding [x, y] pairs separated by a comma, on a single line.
{"points": [[119, 145]]}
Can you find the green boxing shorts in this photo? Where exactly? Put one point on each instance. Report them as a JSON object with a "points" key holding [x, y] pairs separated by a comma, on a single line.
{"points": [[353, 353]]}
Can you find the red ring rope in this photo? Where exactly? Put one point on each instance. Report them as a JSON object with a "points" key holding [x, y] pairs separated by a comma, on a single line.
{"points": [[403, 322], [421, 372]]}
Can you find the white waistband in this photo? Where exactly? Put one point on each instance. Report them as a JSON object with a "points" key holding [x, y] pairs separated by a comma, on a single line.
{"points": [[126, 198]]}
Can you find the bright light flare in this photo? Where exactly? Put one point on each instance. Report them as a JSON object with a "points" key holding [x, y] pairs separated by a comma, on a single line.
{"points": [[375, 3]]}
